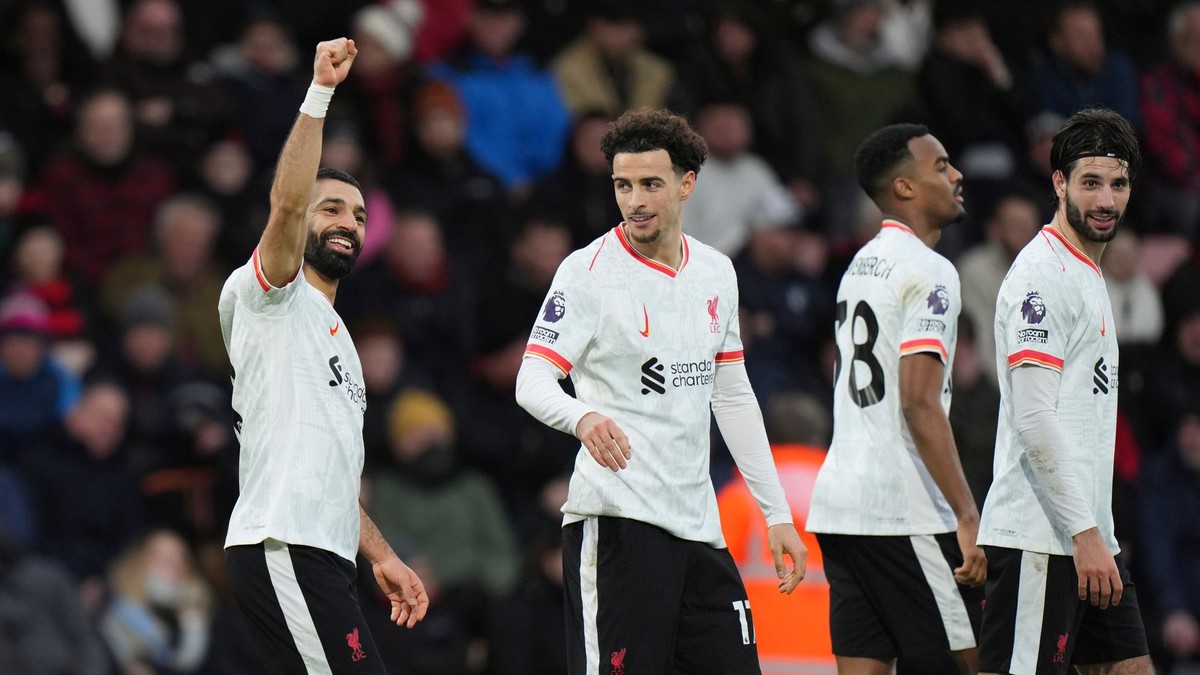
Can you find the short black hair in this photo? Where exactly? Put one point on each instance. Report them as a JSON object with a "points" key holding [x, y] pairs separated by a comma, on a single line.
{"points": [[1095, 132], [881, 153], [647, 130], [328, 173]]}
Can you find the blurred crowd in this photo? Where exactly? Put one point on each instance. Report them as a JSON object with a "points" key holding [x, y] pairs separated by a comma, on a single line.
{"points": [[137, 141]]}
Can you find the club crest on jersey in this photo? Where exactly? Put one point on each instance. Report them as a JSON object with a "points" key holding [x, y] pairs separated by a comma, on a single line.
{"points": [[556, 307], [1033, 309], [938, 300], [714, 324]]}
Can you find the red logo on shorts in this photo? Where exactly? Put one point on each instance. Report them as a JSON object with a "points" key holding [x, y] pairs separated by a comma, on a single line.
{"points": [[356, 645], [618, 662], [1061, 656]]}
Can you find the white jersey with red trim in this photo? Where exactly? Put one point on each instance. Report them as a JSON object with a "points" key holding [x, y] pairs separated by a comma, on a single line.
{"points": [[298, 403], [897, 297], [1053, 311], [641, 343]]}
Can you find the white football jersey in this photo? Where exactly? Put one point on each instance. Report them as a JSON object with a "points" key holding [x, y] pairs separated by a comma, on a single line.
{"points": [[1053, 311], [641, 343], [298, 402], [897, 297]]}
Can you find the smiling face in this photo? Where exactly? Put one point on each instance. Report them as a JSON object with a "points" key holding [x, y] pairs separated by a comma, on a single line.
{"points": [[337, 223], [650, 194], [1094, 198]]}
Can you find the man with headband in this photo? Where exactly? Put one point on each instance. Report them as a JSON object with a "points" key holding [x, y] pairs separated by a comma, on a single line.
{"points": [[1057, 595]]}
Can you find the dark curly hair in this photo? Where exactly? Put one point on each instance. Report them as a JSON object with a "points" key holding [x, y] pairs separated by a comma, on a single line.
{"points": [[881, 153], [1095, 132], [646, 130]]}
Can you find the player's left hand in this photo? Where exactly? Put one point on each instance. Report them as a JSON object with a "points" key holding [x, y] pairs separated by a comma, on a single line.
{"points": [[783, 539], [973, 571], [404, 589]]}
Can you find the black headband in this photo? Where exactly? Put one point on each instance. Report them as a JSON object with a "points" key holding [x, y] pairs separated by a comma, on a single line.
{"points": [[1093, 153]]}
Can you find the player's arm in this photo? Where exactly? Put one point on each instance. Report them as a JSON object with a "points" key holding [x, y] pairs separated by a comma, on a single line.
{"points": [[1035, 411], [401, 585], [281, 248], [539, 393], [921, 377], [740, 420]]}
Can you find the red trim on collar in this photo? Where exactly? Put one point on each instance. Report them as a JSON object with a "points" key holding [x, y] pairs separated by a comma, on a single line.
{"points": [[650, 262], [895, 224], [1074, 251]]}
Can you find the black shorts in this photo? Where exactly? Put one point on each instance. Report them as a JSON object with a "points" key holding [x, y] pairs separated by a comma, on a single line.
{"points": [[301, 606], [640, 600], [1035, 624], [893, 596]]}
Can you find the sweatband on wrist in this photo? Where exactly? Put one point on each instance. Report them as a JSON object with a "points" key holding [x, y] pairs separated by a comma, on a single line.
{"points": [[316, 102]]}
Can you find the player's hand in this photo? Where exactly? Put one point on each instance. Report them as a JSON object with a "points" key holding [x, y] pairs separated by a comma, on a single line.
{"points": [[604, 441], [973, 571], [332, 62], [1099, 581], [404, 589], [784, 540]]}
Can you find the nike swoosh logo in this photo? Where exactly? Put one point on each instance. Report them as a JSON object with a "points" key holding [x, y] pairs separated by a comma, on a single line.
{"points": [[334, 329], [646, 317], [1103, 325]]}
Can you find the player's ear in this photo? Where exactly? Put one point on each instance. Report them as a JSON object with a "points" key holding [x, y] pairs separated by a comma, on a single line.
{"points": [[1060, 183], [903, 188], [686, 184]]}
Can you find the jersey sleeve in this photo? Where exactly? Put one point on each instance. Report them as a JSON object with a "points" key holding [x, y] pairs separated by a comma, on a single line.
{"points": [[257, 294], [931, 301], [1036, 320], [567, 320], [731, 350]]}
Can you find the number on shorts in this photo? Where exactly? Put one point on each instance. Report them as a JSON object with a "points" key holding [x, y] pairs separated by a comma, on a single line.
{"points": [[742, 607], [864, 353]]}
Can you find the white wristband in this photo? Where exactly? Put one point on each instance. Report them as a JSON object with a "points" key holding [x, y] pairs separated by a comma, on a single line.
{"points": [[316, 102]]}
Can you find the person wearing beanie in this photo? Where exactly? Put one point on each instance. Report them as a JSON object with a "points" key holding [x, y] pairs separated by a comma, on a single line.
{"points": [[35, 390]]}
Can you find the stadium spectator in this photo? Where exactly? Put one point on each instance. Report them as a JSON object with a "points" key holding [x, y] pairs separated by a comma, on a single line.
{"points": [[35, 391], [183, 263], [580, 192], [858, 88], [441, 175], [1078, 70], [608, 68], [101, 195], [1008, 227], [159, 618], [515, 118], [739, 193], [1169, 529], [179, 105], [1170, 106], [86, 495]]}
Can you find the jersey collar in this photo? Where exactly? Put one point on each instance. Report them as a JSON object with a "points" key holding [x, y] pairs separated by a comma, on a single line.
{"points": [[1074, 251], [897, 225], [651, 262]]}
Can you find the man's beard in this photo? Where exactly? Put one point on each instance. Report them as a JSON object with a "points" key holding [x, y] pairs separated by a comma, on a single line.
{"points": [[1078, 222], [329, 263], [645, 238]]}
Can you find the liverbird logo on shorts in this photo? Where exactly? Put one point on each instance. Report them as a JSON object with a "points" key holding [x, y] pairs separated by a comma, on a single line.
{"points": [[714, 325], [356, 653], [618, 662]]}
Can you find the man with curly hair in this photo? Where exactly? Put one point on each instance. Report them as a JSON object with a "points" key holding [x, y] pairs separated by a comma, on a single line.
{"points": [[645, 321]]}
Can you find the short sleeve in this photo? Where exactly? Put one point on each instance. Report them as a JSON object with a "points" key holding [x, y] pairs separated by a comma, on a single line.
{"points": [[567, 320], [257, 294], [932, 301], [1037, 320], [731, 350]]}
